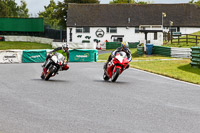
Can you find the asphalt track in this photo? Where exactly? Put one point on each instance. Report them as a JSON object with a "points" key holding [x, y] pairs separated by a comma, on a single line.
{"points": [[79, 101]]}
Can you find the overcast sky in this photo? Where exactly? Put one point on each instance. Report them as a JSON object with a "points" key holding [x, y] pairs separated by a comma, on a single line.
{"points": [[35, 6]]}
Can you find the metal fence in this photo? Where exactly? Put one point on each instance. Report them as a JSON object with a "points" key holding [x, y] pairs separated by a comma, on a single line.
{"points": [[57, 35]]}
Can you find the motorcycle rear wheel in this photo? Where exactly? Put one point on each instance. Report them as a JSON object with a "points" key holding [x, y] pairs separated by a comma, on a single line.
{"points": [[115, 75], [105, 77]]}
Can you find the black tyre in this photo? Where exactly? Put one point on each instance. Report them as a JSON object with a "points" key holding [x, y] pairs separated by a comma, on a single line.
{"points": [[42, 75], [115, 75], [105, 77], [49, 74]]}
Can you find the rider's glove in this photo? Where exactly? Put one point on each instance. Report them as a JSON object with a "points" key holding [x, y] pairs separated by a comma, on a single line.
{"points": [[113, 56]]}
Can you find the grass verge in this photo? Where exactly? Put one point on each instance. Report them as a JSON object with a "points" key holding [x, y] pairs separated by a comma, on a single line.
{"points": [[179, 69], [23, 45]]}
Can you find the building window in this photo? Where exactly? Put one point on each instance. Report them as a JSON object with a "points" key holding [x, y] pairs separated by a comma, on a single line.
{"points": [[111, 30], [137, 30], [86, 29], [155, 35], [83, 30], [79, 30], [178, 29], [172, 29]]}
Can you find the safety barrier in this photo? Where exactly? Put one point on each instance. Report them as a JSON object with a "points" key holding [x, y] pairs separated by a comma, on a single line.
{"points": [[195, 57], [29, 39], [140, 50], [10, 56], [114, 45], [83, 55], [160, 50], [168, 51], [181, 52], [38, 56], [34, 56]]}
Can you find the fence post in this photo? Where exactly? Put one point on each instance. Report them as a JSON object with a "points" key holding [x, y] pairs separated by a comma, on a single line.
{"points": [[187, 38], [178, 40], [171, 37], [196, 40], [168, 35]]}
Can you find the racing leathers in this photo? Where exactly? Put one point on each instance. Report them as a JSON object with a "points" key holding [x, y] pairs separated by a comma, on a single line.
{"points": [[113, 54], [46, 65]]}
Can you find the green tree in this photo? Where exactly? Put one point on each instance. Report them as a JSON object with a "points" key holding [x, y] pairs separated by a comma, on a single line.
{"points": [[193, 2], [62, 7], [49, 15], [9, 8], [23, 10]]}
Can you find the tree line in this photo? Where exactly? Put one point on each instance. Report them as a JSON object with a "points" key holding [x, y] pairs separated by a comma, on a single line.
{"points": [[9, 8], [55, 14]]}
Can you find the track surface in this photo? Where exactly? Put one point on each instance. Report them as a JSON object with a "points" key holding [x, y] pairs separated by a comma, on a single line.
{"points": [[79, 101]]}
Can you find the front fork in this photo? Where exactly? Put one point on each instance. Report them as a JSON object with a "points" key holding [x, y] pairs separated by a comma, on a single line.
{"points": [[115, 67]]}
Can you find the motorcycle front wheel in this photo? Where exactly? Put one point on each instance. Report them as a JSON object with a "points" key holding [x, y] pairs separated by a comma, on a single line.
{"points": [[115, 75], [49, 74], [42, 75]]}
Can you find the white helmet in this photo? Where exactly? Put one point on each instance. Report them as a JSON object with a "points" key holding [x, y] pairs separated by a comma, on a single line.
{"points": [[65, 45]]}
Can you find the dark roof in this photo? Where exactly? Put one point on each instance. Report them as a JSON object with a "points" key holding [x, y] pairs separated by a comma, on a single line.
{"points": [[118, 14]]}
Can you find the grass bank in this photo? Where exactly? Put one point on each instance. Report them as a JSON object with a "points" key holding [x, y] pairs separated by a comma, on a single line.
{"points": [[178, 69], [23, 45]]}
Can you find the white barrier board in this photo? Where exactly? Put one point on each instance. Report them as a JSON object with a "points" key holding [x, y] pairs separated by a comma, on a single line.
{"points": [[11, 56]]}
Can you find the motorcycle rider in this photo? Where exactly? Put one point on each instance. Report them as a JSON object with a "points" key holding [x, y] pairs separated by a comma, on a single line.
{"points": [[125, 48], [65, 49]]}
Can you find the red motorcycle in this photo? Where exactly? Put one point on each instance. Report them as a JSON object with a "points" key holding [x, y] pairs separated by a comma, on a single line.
{"points": [[116, 66]]}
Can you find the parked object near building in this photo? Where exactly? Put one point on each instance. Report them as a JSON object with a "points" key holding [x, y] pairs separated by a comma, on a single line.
{"points": [[149, 48]]}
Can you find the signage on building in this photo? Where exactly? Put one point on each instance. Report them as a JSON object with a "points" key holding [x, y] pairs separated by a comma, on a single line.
{"points": [[100, 33]]}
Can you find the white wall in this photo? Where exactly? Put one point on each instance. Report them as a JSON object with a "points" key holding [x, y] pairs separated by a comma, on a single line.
{"points": [[129, 35], [186, 30], [189, 30]]}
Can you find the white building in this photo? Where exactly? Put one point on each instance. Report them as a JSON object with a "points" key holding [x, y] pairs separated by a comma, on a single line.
{"points": [[129, 22]]}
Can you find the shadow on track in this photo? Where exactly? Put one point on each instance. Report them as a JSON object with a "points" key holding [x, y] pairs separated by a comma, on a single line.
{"points": [[50, 80], [110, 82]]}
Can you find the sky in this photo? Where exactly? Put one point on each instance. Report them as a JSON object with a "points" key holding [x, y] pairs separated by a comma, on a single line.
{"points": [[35, 6]]}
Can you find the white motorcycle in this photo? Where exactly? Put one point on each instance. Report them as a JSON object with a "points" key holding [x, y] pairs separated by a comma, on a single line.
{"points": [[53, 65]]}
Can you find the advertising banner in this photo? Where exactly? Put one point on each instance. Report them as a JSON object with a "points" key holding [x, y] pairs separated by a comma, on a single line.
{"points": [[33, 56], [11, 56], [83, 55]]}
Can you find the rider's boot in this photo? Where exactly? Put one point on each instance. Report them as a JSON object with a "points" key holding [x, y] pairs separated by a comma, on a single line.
{"points": [[43, 65]]}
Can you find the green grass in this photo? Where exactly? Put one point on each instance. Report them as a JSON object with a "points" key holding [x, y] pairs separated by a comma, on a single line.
{"points": [[178, 69], [184, 44], [23, 45]]}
